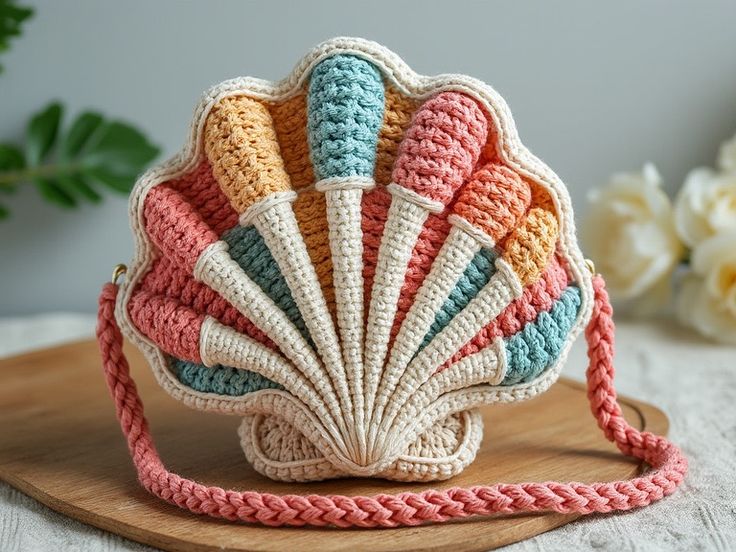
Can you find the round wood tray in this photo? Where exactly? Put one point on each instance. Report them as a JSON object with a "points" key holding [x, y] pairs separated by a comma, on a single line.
{"points": [[62, 445]]}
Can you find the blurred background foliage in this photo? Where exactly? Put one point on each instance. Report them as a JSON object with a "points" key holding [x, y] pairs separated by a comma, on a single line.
{"points": [[72, 164]]}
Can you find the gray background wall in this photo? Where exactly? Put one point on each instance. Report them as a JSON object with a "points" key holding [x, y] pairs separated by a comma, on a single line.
{"points": [[595, 87]]}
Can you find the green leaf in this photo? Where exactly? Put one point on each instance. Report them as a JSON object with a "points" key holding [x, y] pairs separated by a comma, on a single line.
{"points": [[68, 165], [52, 192], [120, 148], [116, 182], [11, 158], [79, 134], [4, 212], [41, 134], [11, 18], [76, 184]]}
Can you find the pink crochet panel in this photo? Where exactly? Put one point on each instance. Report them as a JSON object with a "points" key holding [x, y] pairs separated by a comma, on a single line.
{"points": [[170, 276], [441, 147]]}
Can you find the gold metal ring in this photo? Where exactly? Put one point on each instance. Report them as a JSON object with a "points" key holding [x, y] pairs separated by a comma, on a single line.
{"points": [[117, 272], [591, 266]]}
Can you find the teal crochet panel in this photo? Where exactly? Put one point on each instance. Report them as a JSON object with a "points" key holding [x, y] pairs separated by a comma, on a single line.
{"points": [[222, 380], [539, 344], [344, 116], [248, 249], [475, 277]]}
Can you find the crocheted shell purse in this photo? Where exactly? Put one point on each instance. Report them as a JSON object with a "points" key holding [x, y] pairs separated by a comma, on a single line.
{"points": [[353, 260]]}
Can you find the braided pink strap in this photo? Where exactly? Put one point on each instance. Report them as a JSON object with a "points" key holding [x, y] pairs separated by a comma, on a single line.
{"points": [[668, 464]]}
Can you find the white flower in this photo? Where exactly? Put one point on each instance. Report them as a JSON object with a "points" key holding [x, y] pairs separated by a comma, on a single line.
{"points": [[630, 234], [707, 301], [706, 205], [727, 156]]}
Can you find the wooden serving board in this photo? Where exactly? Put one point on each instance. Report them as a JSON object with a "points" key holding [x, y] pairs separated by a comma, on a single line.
{"points": [[60, 443]]}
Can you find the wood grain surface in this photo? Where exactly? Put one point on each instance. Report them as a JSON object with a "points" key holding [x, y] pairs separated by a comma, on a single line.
{"points": [[60, 443]]}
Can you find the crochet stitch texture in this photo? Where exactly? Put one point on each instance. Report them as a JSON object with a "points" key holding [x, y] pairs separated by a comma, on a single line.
{"points": [[352, 260], [336, 260]]}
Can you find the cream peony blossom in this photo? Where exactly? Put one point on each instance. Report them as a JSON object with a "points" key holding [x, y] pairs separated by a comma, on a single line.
{"points": [[727, 156], [630, 235], [706, 205], [707, 300]]}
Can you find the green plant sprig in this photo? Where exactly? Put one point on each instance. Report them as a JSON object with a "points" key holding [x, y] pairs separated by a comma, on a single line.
{"points": [[68, 167]]}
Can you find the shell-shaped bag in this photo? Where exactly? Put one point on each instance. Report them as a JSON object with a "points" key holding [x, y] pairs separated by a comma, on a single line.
{"points": [[353, 260]]}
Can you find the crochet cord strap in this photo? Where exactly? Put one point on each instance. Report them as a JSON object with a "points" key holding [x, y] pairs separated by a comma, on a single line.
{"points": [[384, 510]]}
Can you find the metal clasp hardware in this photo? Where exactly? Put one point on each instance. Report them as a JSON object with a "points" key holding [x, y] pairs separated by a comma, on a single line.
{"points": [[117, 272], [591, 266]]}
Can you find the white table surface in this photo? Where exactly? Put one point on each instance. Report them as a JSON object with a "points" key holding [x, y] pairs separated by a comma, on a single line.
{"points": [[692, 380]]}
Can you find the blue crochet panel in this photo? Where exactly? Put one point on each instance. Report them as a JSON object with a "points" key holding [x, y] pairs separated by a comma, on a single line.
{"points": [[475, 277], [222, 380], [248, 249], [344, 117], [538, 346]]}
